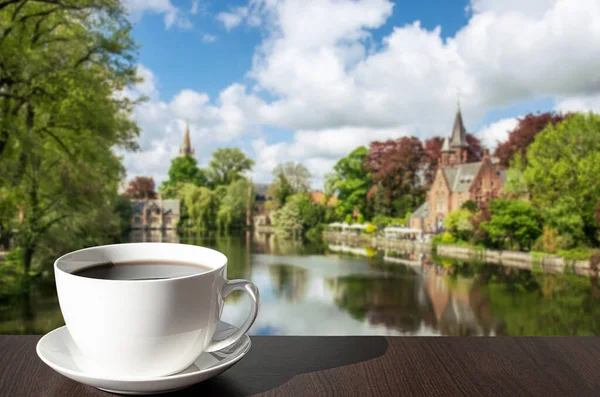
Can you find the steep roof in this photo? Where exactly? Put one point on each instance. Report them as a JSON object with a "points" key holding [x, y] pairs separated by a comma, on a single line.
{"points": [[422, 211], [458, 138], [446, 145], [461, 176]]}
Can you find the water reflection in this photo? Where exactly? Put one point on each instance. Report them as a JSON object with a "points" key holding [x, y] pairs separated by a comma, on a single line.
{"points": [[337, 290]]}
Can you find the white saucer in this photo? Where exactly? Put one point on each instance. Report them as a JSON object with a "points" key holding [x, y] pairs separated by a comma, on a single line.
{"points": [[55, 349]]}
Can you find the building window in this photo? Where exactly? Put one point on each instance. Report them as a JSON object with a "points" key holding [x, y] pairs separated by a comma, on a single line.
{"points": [[478, 200], [460, 200], [137, 219]]}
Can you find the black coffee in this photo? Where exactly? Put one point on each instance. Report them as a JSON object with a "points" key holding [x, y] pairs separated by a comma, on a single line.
{"points": [[141, 270]]}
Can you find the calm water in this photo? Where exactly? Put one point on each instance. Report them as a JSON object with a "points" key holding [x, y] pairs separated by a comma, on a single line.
{"points": [[334, 290]]}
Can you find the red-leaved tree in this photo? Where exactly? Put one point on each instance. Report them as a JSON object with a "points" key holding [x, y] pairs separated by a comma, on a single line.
{"points": [[141, 187], [524, 134], [395, 166]]}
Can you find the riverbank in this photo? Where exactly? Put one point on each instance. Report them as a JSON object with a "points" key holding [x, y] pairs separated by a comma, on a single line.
{"points": [[523, 260]]}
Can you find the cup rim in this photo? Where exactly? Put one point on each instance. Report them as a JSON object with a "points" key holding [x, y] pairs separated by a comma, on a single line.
{"points": [[220, 266]]}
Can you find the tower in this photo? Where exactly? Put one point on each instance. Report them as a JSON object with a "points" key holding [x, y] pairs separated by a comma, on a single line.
{"points": [[458, 140], [187, 149], [446, 153]]}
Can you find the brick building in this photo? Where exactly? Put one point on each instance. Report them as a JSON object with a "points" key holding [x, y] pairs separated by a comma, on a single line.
{"points": [[457, 181], [155, 214]]}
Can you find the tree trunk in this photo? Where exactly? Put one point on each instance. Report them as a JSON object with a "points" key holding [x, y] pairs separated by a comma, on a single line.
{"points": [[28, 252]]}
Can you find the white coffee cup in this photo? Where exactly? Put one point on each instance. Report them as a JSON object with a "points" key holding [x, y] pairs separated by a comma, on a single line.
{"points": [[147, 328]]}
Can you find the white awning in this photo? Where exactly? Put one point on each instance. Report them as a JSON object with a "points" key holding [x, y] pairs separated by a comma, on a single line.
{"points": [[406, 230]]}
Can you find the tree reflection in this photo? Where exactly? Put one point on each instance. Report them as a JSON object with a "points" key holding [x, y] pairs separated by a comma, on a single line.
{"points": [[392, 302], [289, 282]]}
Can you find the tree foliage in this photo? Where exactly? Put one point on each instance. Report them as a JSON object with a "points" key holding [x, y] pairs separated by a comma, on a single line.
{"points": [[141, 187], [296, 174], [288, 221], [470, 205], [351, 182], [459, 224], [513, 224], [63, 67], [563, 165], [299, 216], [202, 206], [228, 165], [524, 134], [279, 190], [184, 169], [395, 165], [235, 204]]}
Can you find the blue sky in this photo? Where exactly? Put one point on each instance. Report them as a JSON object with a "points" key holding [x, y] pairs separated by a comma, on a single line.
{"points": [[182, 59], [308, 80]]}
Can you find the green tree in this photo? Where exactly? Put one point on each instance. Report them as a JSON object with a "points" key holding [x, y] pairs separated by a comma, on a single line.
{"points": [[513, 224], [351, 182], [279, 190], [62, 112], [516, 185], [296, 175], [288, 221], [299, 216], [235, 203], [184, 169], [563, 165], [458, 223], [228, 165], [470, 205], [201, 205], [380, 205]]}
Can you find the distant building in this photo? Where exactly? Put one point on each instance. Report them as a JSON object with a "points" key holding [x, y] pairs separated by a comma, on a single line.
{"points": [[457, 181], [155, 214], [319, 198]]}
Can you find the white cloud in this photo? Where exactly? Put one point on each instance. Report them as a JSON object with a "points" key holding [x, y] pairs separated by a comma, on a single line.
{"points": [[173, 15], [233, 18], [496, 132], [148, 85], [579, 104], [209, 38], [318, 150], [527, 7], [335, 87], [194, 9]]}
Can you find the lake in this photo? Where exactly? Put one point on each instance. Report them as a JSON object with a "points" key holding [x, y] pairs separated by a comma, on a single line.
{"points": [[331, 290]]}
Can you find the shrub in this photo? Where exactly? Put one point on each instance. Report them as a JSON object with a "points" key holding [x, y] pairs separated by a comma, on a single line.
{"points": [[459, 224], [370, 228], [348, 219], [470, 206], [360, 219]]}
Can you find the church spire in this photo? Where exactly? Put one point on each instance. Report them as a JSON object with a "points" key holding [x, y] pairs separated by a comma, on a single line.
{"points": [[187, 149], [458, 138]]}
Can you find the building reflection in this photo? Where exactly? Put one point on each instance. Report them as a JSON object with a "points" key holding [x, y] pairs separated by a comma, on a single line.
{"points": [[410, 293], [153, 236]]}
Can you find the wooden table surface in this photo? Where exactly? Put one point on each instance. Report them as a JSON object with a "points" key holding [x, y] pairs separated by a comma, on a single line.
{"points": [[359, 366]]}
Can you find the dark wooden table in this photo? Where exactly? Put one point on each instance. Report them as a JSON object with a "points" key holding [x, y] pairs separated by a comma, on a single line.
{"points": [[359, 366]]}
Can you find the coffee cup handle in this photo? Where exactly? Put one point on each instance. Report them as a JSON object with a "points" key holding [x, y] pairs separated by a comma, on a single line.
{"points": [[252, 291]]}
